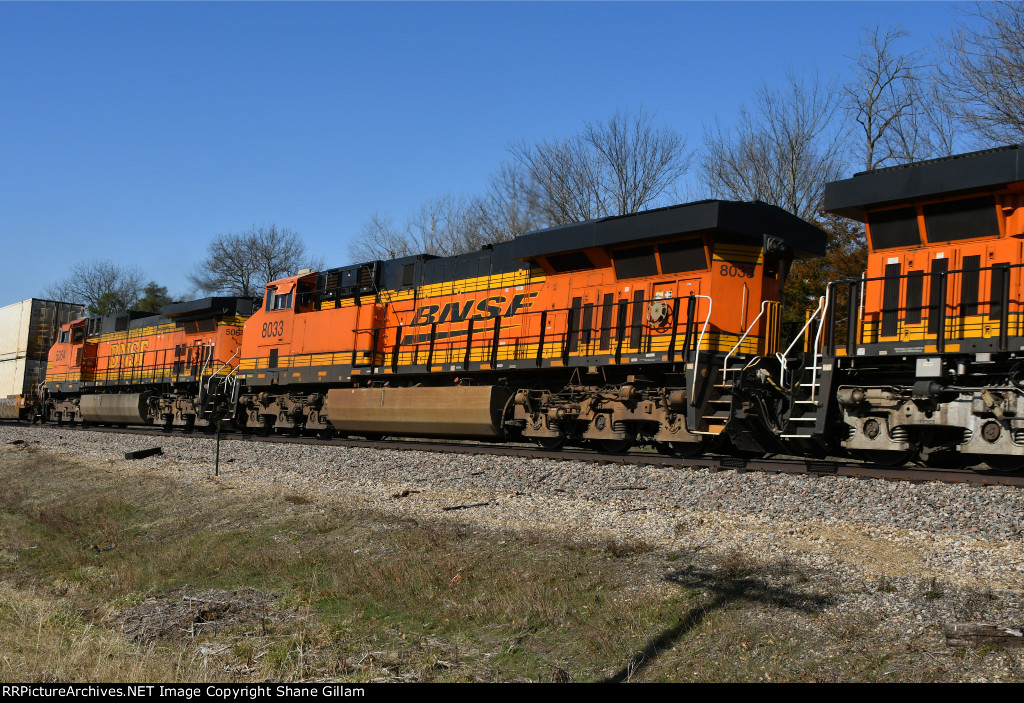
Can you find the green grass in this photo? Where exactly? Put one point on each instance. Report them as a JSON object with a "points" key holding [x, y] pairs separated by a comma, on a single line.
{"points": [[360, 595]]}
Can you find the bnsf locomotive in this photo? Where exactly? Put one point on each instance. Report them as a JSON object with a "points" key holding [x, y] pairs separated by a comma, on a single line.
{"points": [[659, 328], [613, 331], [923, 357]]}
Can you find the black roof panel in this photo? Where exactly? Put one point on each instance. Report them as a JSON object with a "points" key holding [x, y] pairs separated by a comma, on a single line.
{"points": [[962, 173], [209, 307], [752, 220]]}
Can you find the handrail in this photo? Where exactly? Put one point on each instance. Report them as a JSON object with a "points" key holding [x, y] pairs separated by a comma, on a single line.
{"points": [[799, 335], [226, 363], [700, 342], [725, 362], [817, 349], [206, 359]]}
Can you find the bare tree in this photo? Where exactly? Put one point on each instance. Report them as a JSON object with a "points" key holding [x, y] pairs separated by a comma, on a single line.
{"points": [[884, 99], [783, 154], [928, 131], [983, 76], [102, 286], [449, 224], [382, 239], [443, 226], [242, 263], [640, 161], [279, 252], [511, 205], [612, 168]]}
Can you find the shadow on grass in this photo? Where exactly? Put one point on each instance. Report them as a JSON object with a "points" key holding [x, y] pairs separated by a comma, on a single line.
{"points": [[726, 585]]}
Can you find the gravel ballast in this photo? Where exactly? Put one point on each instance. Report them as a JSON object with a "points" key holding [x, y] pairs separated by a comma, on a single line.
{"points": [[963, 533], [887, 543]]}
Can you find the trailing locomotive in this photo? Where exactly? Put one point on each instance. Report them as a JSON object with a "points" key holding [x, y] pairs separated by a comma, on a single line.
{"points": [[171, 369], [613, 331], [923, 357]]}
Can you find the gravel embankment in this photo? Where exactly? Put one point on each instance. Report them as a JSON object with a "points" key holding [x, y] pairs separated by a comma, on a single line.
{"points": [[884, 542]]}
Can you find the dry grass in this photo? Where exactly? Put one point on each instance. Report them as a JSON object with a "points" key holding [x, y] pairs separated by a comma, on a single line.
{"points": [[45, 640], [110, 573]]}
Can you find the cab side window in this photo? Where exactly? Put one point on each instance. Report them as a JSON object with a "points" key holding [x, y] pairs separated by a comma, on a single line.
{"points": [[282, 302]]}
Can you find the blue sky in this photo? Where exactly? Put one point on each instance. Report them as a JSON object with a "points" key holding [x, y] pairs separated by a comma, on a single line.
{"points": [[138, 131]]}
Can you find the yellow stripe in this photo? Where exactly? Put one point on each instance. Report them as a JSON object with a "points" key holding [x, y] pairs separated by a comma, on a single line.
{"points": [[970, 327], [511, 350], [749, 255]]}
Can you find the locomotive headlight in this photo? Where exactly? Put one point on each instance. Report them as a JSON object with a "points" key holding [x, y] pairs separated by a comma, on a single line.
{"points": [[775, 246]]}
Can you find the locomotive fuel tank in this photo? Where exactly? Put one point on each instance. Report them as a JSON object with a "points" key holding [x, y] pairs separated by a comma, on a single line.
{"points": [[473, 412], [115, 408]]}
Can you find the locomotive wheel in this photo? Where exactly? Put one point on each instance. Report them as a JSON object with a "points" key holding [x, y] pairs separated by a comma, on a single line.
{"points": [[885, 457], [614, 446], [550, 443], [664, 448]]}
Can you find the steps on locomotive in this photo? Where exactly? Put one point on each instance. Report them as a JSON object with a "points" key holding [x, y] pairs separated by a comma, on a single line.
{"points": [[805, 404], [720, 403]]}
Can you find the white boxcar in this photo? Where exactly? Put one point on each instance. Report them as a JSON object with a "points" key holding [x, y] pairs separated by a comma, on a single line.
{"points": [[27, 331]]}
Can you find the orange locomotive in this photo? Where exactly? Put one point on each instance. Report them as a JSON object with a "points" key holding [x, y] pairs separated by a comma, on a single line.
{"points": [[623, 329], [172, 369], [930, 363]]}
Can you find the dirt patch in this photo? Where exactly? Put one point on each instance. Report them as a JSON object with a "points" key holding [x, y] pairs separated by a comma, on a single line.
{"points": [[186, 613]]}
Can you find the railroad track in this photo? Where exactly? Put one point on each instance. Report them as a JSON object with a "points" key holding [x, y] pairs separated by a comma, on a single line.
{"points": [[713, 462]]}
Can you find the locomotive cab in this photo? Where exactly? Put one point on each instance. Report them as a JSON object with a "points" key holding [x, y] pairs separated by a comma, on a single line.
{"points": [[70, 362]]}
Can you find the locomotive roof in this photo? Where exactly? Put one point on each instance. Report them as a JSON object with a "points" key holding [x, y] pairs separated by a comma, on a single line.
{"points": [[173, 312], [206, 307], [752, 219], [978, 170]]}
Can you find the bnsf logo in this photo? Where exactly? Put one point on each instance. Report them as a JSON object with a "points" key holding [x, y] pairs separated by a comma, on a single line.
{"points": [[125, 354], [495, 306]]}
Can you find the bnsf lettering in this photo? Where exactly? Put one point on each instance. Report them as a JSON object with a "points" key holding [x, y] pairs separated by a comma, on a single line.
{"points": [[425, 315], [488, 311], [451, 312], [519, 301], [127, 354], [485, 309]]}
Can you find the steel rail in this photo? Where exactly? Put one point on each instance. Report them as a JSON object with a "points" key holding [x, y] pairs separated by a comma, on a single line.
{"points": [[713, 462]]}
